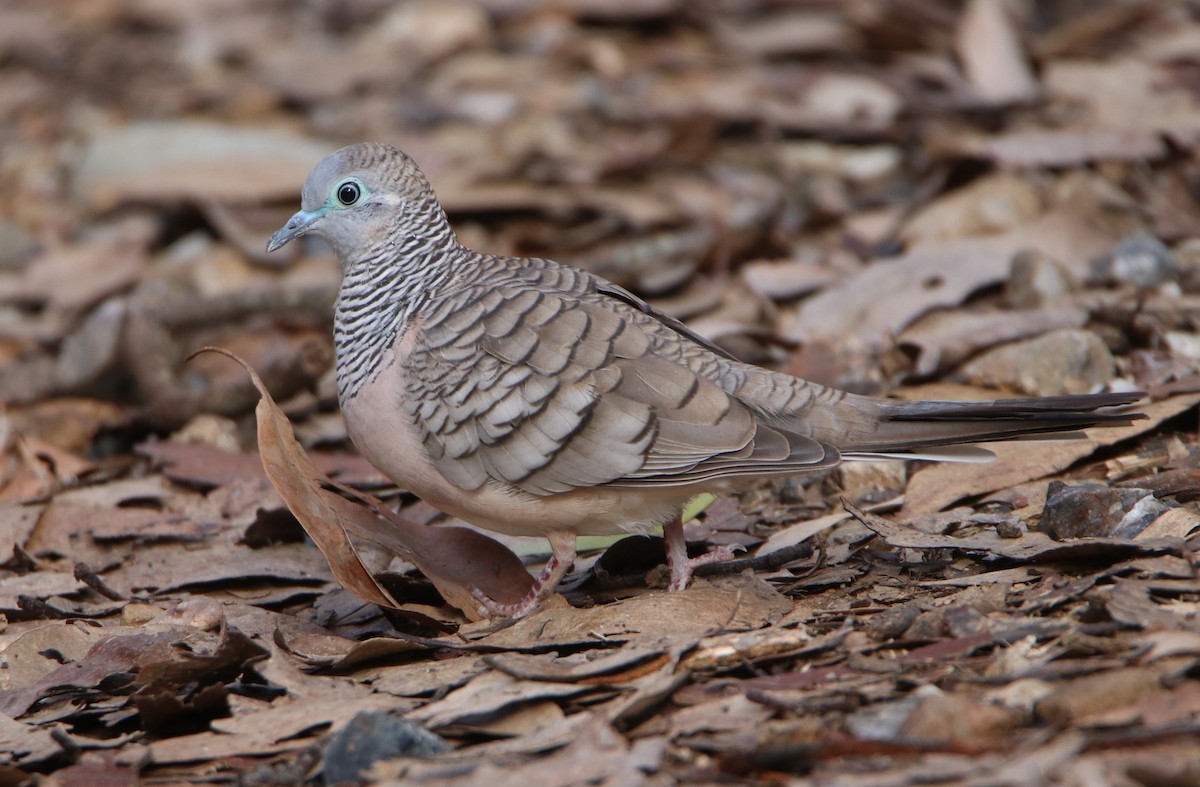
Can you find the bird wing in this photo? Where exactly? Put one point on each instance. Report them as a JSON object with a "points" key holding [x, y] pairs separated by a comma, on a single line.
{"points": [[546, 392]]}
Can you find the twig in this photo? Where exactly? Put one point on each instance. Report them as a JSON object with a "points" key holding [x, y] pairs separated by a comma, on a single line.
{"points": [[84, 573], [768, 562]]}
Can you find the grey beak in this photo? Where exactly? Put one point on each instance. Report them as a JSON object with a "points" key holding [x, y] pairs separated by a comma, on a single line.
{"points": [[297, 225]]}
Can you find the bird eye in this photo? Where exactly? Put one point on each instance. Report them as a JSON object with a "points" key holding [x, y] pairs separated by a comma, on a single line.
{"points": [[349, 193]]}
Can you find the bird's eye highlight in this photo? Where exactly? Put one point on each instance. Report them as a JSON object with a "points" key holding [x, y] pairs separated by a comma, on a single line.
{"points": [[349, 193]]}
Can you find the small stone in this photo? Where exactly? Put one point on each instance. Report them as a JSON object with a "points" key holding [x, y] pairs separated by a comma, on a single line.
{"points": [[372, 736], [1094, 511], [1007, 529], [1068, 361], [1034, 280], [1141, 260], [892, 623], [1007, 524], [929, 625], [1139, 517]]}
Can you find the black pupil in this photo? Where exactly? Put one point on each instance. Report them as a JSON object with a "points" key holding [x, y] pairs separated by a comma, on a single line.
{"points": [[348, 193]]}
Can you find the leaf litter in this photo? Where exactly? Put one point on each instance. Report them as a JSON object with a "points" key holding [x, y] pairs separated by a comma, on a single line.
{"points": [[909, 198]]}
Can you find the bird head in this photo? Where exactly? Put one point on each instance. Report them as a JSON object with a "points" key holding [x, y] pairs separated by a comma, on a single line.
{"points": [[360, 198]]}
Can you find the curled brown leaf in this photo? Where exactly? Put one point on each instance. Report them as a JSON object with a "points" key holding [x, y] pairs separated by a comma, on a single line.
{"points": [[455, 559]]}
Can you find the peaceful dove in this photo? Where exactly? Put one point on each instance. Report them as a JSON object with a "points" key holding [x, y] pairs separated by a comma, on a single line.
{"points": [[535, 399]]}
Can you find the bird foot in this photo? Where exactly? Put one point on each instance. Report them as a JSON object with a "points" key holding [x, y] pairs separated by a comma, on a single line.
{"points": [[542, 588], [681, 570], [679, 563], [561, 559]]}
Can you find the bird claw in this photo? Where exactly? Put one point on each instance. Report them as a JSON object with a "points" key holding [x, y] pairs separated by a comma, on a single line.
{"points": [[491, 608], [681, 570], [544, 585]]}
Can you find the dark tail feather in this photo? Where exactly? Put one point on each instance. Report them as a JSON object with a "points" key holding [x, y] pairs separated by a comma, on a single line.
{"points": [[915, 425]]}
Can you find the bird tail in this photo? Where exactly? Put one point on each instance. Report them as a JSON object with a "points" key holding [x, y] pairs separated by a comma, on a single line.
{"points": [[937, 430]]}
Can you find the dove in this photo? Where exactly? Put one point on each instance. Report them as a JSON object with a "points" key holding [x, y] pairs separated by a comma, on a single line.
{"points": [[532, 398]]}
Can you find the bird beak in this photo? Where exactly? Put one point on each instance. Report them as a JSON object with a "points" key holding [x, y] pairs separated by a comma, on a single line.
{"points": [[296, 226]]}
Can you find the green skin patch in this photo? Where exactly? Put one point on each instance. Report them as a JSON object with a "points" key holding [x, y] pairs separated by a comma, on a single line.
{"points": [[692, 510]]}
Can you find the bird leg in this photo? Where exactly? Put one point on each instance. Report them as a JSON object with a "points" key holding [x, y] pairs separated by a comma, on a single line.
{"points": [[678, 561], [562, 557]]}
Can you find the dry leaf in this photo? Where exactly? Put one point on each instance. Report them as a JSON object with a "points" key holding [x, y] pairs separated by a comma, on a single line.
{"points": [[193, 160], [455, 559], [937, 486]]}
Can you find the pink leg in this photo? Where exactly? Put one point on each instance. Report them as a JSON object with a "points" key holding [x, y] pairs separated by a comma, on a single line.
{"points": [[677, 557], [562, 549]]}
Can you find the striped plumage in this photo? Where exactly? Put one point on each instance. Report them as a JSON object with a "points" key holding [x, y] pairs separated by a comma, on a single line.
{"points": [[536, 399]]}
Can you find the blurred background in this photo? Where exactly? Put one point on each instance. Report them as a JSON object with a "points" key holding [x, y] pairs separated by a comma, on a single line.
{"points": [[994, 193], [919, 198]]}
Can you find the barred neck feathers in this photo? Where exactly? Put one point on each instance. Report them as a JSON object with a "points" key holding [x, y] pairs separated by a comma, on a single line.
{"points": [[378, 211], [385, 285]]}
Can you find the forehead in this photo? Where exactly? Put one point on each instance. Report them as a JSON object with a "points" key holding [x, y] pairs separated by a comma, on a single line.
{"points": [[321, 180]]}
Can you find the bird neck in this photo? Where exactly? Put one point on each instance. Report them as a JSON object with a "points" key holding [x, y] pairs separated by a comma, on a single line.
{"points": [[381, 293]]}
